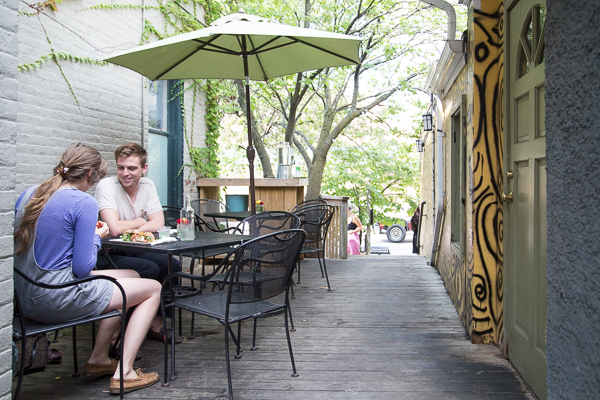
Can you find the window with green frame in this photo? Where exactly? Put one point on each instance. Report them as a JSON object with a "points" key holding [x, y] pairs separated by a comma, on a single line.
{"points": [[458, 176], [165, 140]]}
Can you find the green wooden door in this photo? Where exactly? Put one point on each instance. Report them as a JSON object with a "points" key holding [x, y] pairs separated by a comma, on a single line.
{"points": [[525, 215]]}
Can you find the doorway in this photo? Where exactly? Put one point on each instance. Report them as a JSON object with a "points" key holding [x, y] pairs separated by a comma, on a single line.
{"points": [[524, 194]]}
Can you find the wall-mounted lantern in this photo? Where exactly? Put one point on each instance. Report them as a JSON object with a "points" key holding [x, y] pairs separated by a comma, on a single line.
{"points": [[420, 145], [427, 122]]}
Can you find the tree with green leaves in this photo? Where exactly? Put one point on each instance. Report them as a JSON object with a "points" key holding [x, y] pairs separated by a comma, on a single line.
{"points": [[383, 172], [312, 109]]}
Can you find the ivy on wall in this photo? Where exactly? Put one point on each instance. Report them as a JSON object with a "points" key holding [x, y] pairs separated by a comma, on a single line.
{"points": [[178, 19]]}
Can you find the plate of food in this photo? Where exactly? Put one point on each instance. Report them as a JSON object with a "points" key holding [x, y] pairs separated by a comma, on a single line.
{"points": [[138, 237]]}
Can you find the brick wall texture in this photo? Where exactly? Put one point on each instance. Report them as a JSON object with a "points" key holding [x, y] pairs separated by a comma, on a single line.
{"points": [[9, 44], [45, 109]]}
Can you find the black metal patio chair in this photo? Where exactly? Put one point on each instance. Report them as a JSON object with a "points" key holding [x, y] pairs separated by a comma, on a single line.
{"points": [[171, 215], [24, 328], [260, 270], [259, 225], [308, 203], [315, 221], [203, 206], [268, 222]]}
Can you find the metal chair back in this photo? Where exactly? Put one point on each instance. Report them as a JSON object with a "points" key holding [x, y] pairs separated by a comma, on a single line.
{"points": [[308, 203], [203, 206], [268, 222]]}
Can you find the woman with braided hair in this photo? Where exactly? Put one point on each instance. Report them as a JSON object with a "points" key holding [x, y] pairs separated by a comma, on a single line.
{"points": [[57, 238]]}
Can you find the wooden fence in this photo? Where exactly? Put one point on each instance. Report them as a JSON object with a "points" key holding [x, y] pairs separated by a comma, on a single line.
{"points": [[337, 237]]}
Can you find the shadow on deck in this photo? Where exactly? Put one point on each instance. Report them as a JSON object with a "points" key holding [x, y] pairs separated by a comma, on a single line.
{"points": [[388, 330]]}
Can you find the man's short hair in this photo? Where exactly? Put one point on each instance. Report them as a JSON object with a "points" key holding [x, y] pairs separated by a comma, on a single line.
{"points": [[132, 149]]}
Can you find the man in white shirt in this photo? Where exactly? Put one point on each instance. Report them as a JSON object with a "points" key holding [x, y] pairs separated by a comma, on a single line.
{"points": [[130, 201]]}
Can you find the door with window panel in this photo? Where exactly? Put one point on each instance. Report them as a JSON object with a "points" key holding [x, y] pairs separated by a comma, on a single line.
{"points": [[525, 193]]}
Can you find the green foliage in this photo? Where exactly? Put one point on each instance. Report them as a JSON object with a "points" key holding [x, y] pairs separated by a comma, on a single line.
{"points": [[59, 56], [120, 7], [316, 107], [205, 161], [388, 167], [179, 17]]}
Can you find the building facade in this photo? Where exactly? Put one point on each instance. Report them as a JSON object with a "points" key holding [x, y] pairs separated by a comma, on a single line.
{"points": [[490, 183], [54, 91]]}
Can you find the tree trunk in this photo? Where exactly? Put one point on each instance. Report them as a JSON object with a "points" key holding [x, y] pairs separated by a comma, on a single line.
{"points": [[315, 178]]}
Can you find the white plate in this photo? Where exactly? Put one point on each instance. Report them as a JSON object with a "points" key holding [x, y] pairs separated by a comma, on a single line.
{"points": [[158, 241]]}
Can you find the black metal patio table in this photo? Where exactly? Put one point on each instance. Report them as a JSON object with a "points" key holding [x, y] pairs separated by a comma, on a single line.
{"points": [[203, 241], [237, 215]]}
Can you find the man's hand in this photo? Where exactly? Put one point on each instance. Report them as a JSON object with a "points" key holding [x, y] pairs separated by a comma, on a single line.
{"points": [[116, 226]]}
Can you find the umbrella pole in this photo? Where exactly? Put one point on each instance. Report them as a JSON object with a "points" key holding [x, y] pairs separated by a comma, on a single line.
{"points": [[250, 153]]}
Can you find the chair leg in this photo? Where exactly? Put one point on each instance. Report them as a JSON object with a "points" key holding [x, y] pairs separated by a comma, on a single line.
{"points": [[76, 374], [239, 341], [289, 341], [166, 358], [22, 367], [173, 376], [298, 267], [292, 285], [254, 348], [229, 382], [192, 336], [55, 340], [180, 322], [93, 334], [320, 266], [326, 276], [122, 339], [293, 329]]}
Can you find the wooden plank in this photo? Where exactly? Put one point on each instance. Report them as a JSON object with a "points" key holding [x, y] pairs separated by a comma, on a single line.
{"points": [[257, 182], [387, 331]]}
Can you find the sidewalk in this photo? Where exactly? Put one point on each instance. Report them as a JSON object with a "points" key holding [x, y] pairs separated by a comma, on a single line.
{"points": [[403, 248]]}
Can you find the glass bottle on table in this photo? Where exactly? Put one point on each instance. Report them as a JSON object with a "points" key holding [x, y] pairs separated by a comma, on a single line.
{"points": [[185, 225]]}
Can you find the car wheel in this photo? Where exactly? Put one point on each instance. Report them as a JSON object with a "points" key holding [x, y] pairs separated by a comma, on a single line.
{"points": [[396, 233]]}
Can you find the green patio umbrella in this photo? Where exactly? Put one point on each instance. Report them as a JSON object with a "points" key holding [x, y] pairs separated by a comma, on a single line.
{"points": [[241, 46]]}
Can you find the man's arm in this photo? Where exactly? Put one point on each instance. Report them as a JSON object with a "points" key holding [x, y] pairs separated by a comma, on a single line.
{"points": [[155, 220], [116, 226]]}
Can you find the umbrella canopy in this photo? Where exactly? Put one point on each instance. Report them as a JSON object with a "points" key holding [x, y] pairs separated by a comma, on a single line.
{"points": [[241, 46]]}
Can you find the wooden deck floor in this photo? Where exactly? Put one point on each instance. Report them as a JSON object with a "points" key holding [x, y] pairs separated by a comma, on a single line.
{"points": [[387, 331]]}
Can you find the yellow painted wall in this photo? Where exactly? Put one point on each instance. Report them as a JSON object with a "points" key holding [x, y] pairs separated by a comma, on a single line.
{"points": [[474, 275], [488, 69]]}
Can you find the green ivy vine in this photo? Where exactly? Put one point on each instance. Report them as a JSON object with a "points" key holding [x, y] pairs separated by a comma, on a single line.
{"points": [[204, 160]]}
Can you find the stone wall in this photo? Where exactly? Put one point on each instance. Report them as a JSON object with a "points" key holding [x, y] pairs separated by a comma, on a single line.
{"points": [[573, 168]]}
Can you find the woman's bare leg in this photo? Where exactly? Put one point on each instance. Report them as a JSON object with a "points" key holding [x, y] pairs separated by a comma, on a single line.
{"points": [[108, 327], [143, 293]]}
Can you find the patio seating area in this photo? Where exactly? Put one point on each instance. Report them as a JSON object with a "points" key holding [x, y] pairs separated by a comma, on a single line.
{"points": [[387, 331]]}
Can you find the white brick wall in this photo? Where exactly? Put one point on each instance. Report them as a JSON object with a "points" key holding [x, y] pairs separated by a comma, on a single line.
{"points": [[39, 116], [8, 117], [110, 97]]}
